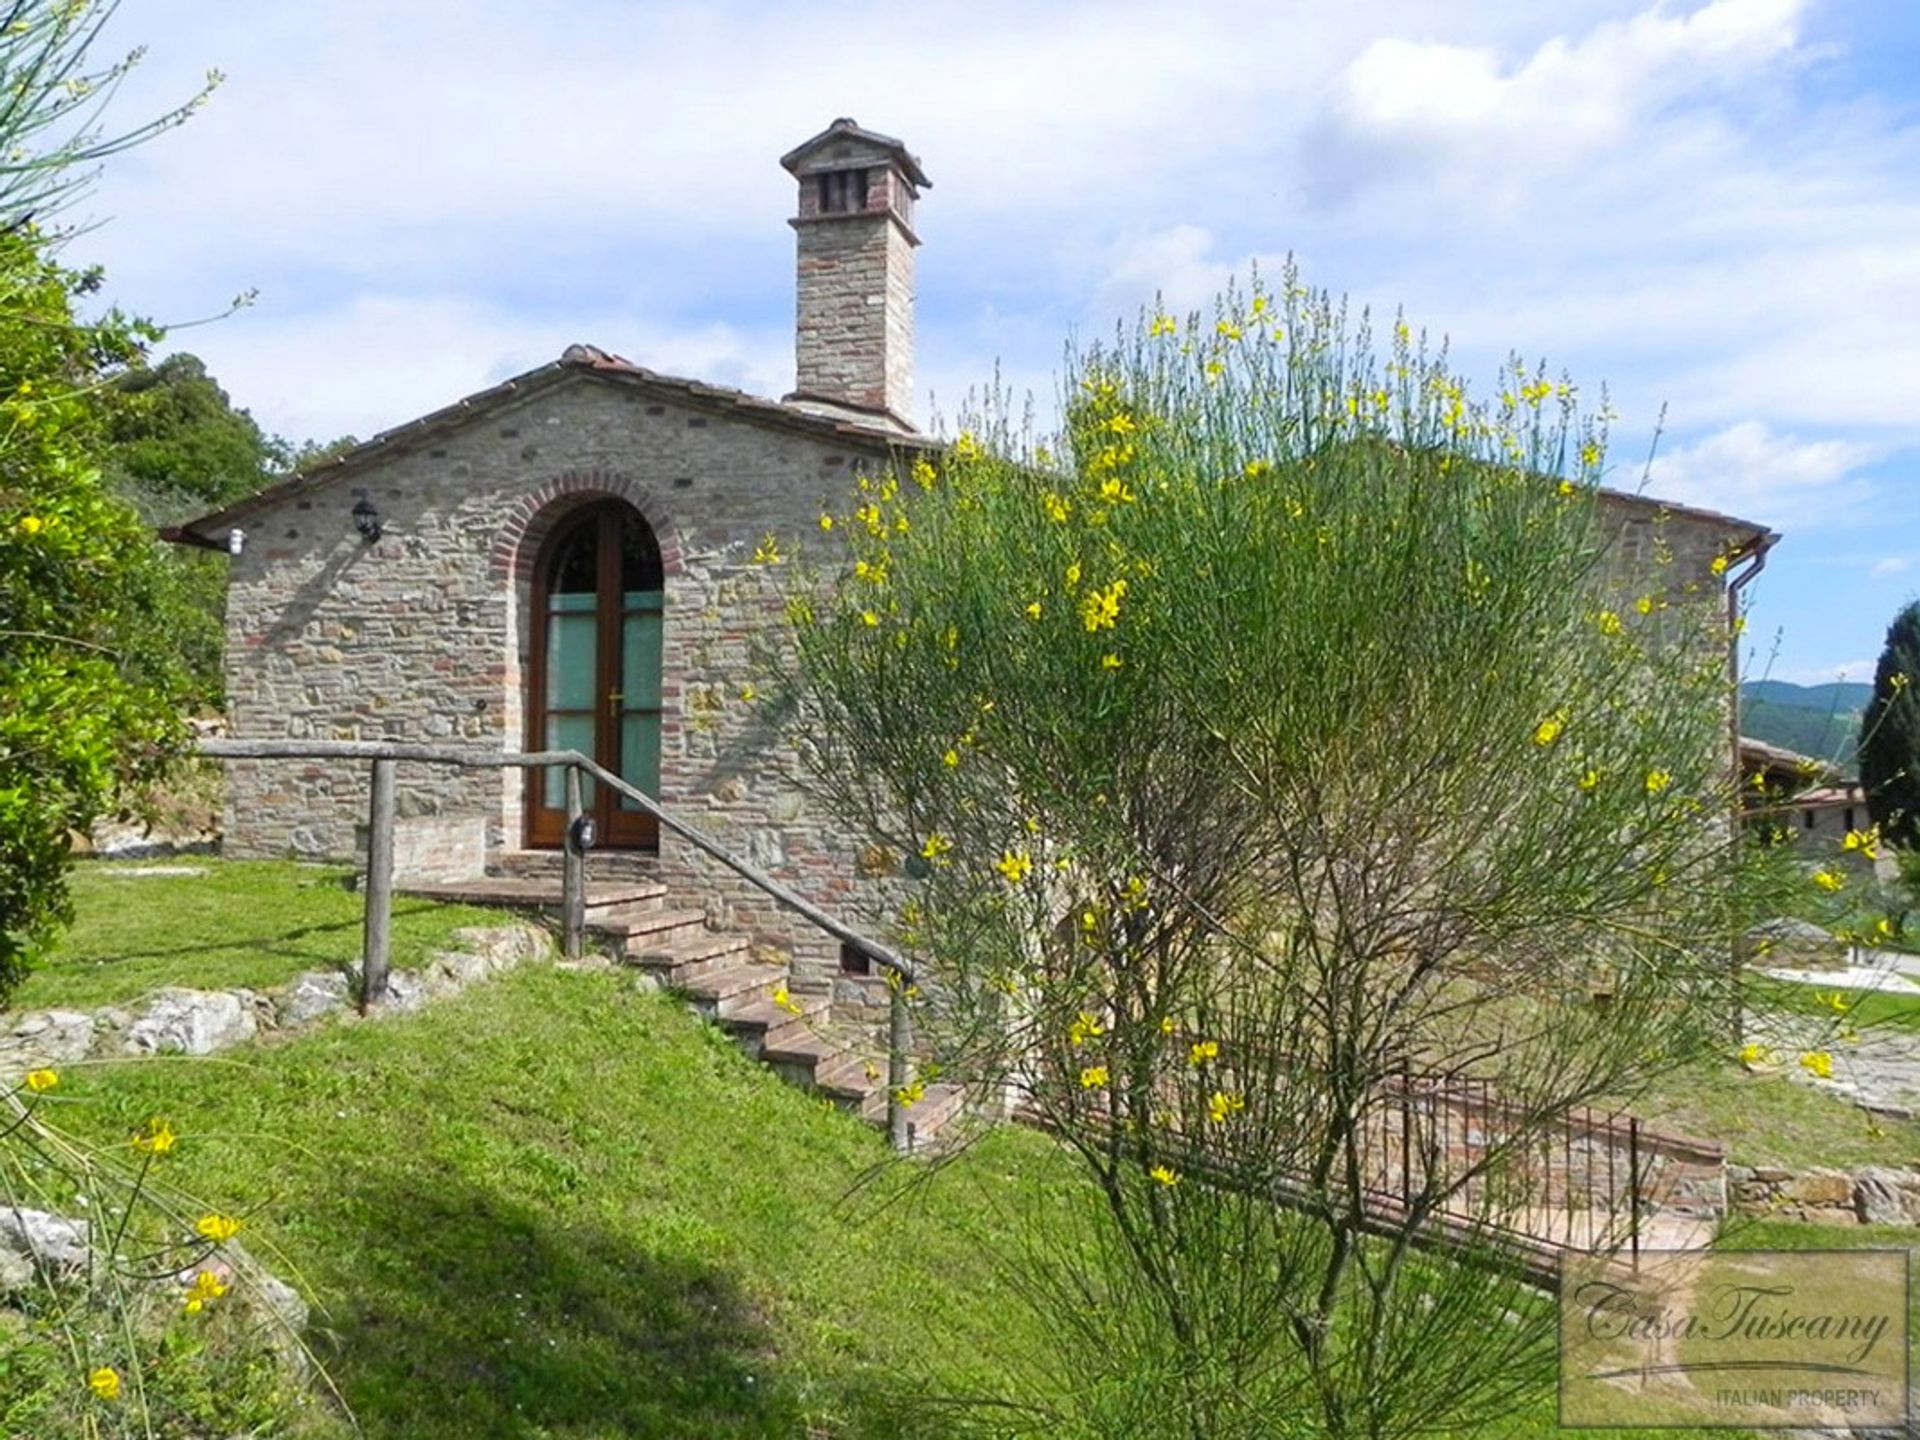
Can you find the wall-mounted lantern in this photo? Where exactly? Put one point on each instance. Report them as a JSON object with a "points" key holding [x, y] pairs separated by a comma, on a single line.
{"points": [[366, 519], [236, 540]]}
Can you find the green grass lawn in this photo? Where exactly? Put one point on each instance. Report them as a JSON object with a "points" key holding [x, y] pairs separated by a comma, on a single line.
{"points": [[251, 923], [1769, 1119], [557, 1206]]}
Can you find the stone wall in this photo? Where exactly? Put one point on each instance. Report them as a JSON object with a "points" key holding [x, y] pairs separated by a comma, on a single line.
{"points": [[1874, 1195], [419, 637]]}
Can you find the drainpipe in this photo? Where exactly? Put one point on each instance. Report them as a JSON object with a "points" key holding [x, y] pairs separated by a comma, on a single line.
{"points": [[1753, 559]]}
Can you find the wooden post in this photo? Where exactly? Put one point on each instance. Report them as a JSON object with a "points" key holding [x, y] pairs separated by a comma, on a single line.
{"points": [[573, 885], [379, 916], [899, 1132], [1633, 1185]]}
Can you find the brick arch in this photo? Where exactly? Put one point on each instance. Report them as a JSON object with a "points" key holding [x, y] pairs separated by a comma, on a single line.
{"points": [[534, 514]]}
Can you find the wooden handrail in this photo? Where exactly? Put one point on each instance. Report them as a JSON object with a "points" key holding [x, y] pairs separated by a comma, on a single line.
{"points": [[535, 759]]}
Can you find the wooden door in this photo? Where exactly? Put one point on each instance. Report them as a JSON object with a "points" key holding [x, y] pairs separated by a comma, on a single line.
{"points": [[594, 677]]}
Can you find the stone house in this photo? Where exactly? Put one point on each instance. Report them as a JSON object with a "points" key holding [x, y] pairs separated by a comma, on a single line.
{"points": [[566, 560]]}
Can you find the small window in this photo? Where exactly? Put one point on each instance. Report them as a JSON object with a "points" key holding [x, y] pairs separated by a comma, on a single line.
{"points": [[843, 192], [1809, 815], [854, 960]]}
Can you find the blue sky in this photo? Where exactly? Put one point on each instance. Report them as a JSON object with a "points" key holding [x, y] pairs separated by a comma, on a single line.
{"points": [[1711, 206]]}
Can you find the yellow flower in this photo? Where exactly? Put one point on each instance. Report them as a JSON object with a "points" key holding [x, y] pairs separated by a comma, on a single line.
{"points": [[1014, 865], [785, 1001], [31, 525], [1089, 921], [1033, 610], [1100, 609], [1073, 574], [1657, 781], [768, 552], [923, 473], [826, 522], [206, 1286], [1163, 325], [1753, 1053], [1867, 842], [951, 759], [1164, 1175], [1256, 468], [936, 846], [1227, 330], [1608, 622], [1057, 508], [1093, 1077], [749, 694], [1202, 1051], [1086, 1026], [1110, 662], [1166, 1025], [1719, 565], [217, 1227], [157, 1139], [965, 447], [104, 1382], [1829, 880], [1818, 1063], [41, 1081], [868, 617], [1590, 780], [1548, 730], [1115, 490], [910, 1094], [1223, 1105]]}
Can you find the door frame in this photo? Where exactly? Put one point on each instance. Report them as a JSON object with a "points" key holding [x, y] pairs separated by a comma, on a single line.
{"points": [[545, 826]]}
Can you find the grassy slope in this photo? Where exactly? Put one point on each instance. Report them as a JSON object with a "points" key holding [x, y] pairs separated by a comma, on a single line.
{"points": [[241, 923], [558, 1207]]}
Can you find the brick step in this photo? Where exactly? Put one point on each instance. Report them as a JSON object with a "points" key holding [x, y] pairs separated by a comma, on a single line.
{"points": [[525, 893], [625, 866], [767, 1018], [687, 959], [938, 1108], [719, 993], [647, 927]]}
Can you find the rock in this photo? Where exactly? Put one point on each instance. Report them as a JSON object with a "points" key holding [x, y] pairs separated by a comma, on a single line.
{"points": [[1772, 1174], [33, 1240], [1884, 1196], [1794, 945], [505, 946], [46, 1037], [313, 994], [1819, 1188], [192, 1022]]}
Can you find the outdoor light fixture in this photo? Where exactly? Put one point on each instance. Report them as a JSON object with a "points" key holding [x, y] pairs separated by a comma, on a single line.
{"points": [[236, 540], [366, 519]]}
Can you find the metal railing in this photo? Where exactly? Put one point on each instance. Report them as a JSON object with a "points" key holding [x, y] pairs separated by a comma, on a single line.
{"points": [[384, 756]]}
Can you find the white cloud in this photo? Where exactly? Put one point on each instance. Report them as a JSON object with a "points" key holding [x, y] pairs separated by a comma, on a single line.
{"points": [[1891, 565], [1433, 103], [1749, 471], [381, 360]]}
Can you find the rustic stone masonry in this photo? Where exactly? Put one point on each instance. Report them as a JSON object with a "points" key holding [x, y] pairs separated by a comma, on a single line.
{"points": [[1874, 1195], [853, 336]]}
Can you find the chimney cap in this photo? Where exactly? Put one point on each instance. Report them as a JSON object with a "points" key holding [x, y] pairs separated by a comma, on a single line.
{"points": [[796, 161]]}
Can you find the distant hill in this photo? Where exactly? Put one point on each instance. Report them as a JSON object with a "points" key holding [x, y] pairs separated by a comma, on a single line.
{"points": [[1818, 720]]}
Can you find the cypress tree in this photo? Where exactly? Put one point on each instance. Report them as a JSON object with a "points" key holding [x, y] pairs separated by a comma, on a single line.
{"points": [[1890, 734]]}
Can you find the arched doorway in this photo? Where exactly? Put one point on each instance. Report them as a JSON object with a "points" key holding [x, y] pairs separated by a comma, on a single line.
{"points": [[594, 671]]}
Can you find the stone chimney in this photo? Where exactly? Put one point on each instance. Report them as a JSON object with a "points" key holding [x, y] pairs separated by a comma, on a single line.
{"points": [[853, 338]]}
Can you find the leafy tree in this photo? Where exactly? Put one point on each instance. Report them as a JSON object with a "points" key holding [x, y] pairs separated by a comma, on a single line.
{"points": [[177, 444], [1890, 734], [1268, 745], [89, 685]]}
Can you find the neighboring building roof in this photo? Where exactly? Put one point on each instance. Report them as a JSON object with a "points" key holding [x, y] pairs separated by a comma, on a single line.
{"points": [[577, 360], [847, 128], [1761, 755]]}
